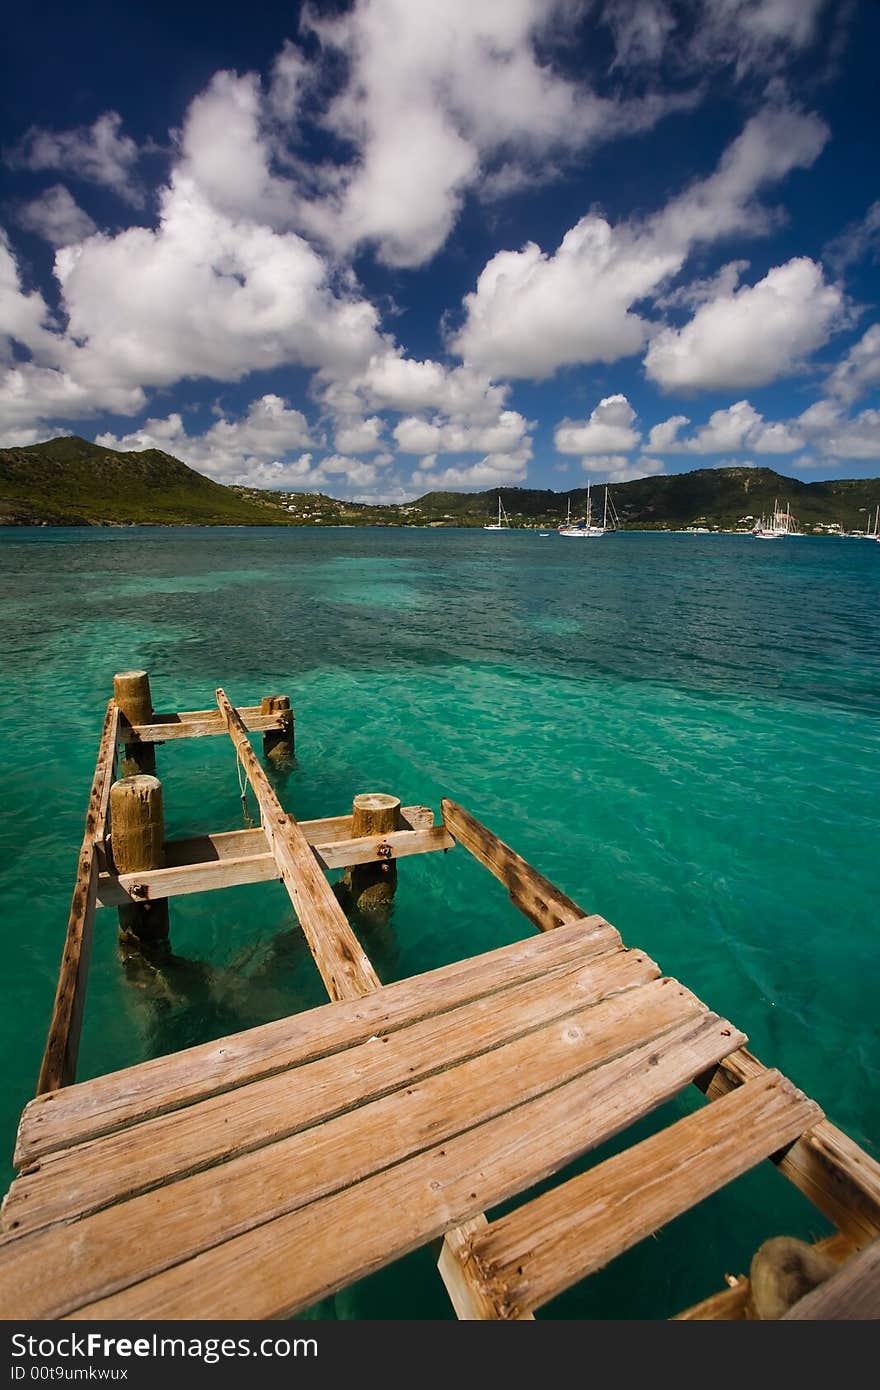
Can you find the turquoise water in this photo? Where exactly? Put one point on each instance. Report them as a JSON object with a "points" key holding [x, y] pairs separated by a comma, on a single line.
{"points": [[681, 731]]}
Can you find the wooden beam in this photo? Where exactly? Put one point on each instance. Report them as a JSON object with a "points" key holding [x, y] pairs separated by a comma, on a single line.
{"points": [[534, 895], [200, 723], [343, 964], [829, 1168], [62, 1045], [371, 849]]}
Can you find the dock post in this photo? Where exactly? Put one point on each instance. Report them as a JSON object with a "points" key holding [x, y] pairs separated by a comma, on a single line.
{"points": [[371, 887], [278, 743], [131, 690], [137, 841]]}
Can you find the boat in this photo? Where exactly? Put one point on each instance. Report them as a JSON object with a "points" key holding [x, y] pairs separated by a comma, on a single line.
{"points": [[774, 528], [873, 534], [586, 527], [499, 525]]}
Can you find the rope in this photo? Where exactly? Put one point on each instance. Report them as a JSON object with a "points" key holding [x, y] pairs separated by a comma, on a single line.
{"points": [[242, 787]]}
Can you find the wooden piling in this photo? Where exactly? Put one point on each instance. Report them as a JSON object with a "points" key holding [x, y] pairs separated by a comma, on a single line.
{"points": [[370, 888], [278, 743], [131, 690], [137, 843]]}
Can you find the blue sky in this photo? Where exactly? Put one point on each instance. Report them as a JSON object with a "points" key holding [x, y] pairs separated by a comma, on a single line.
{"points": [[380, 247]]}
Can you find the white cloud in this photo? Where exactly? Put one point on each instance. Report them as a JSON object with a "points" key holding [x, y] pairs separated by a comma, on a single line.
{"points": [[206, 295], [503, 436], [839, 437], [99, 154], [492, 471], [608, 430], [619, 469], [751, 336], [250, 450], [56, 217], [859, 241], [226, 152], [359, 436], [665, 435], [532, 313], [738, 426], [859, 371], [752, 35], [443, 93]]}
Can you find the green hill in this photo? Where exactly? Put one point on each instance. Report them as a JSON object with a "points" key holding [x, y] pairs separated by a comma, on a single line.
{"points": [[708, 496], [70, 482]]}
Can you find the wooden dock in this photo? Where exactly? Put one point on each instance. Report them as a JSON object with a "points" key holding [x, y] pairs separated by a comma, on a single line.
{"points": [[252, 1176]]}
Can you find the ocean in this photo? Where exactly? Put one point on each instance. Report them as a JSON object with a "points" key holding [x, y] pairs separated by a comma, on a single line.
{"points": [[682, 731]]}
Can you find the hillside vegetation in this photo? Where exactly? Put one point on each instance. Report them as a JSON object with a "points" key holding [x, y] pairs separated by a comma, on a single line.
{"points": [[70, 482]]}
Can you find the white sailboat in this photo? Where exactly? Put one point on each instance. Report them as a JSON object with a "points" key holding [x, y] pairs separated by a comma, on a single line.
{"points": [[586, 527], [499, 525], [874, 533], [782, 523]]}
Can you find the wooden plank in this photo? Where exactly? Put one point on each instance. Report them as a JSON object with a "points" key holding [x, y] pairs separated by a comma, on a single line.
{"points": [[298, 1257], [535, 896], [732, 1304], [852, 1294], [62, 1045], [838, 1176], [369, 848], [117, 890], [118, 1165], [343, 965], [184, 1078], [542, 1248], [236, 844], [200, 724]]}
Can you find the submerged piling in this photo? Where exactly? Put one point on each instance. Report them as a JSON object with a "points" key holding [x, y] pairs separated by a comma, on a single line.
{"points": [[137, 843], [278, 743], [371, 887]]}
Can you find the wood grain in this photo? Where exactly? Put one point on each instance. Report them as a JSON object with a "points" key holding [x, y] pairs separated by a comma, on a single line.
{"points": [[308, 1253], [157, 1151], [164, 1084], [536, 897], [541, 1249]]}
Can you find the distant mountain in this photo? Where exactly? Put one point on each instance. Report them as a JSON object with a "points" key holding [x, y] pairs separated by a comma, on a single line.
{"points": [[70, 482]]}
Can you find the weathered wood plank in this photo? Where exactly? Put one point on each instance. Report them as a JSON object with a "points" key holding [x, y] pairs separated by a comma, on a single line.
{"points": [[368, 849], [299, 1257], [542, 1248], [838, 1176], [91, 1175], [852, 1294], [535, 896], [123, 889], [200, 724], [343, 965], [237, 844], [163, 1084], [62, 1045]]}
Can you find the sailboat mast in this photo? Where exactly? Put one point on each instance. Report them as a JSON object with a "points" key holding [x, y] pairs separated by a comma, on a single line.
{"points": [[605, 512], [589, 508]]}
